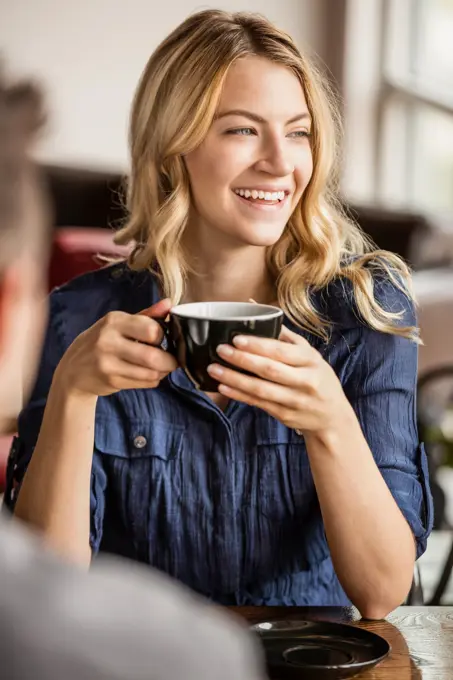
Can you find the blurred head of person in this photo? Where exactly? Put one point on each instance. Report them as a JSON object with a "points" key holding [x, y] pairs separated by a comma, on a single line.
{"points": [[24, 247], [234, 139]]}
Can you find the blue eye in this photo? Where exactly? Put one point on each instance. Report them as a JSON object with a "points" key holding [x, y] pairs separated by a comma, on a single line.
{"points": [[300, 134], [246, 132]]}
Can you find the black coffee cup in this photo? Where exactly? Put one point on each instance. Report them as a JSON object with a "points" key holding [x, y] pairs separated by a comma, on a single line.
{"points": [[196, 329]]}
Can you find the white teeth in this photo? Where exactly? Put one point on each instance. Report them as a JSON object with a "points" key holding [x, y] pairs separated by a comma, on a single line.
{"points": [[262, 195]]}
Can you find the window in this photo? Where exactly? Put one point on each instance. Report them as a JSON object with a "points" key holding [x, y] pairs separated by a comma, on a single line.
{"points": [[414, 136]]}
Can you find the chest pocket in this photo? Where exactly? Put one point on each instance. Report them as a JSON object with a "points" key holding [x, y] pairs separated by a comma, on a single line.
{"points": [[138, 438], [142, 461]]}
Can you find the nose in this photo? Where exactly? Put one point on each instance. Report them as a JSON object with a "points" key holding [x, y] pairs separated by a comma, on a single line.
{"points": [[275, 157]]}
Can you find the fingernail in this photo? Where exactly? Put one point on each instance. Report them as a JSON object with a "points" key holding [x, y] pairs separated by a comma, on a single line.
{"points": [[215, 369], [225, 350], [240, 341]]}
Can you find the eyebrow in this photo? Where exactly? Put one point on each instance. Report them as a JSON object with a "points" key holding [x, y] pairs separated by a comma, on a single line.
{"points": [[259, 119]]}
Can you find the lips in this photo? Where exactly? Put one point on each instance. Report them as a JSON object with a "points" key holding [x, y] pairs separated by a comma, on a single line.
{"points": [[262, 204], [261, 194]]}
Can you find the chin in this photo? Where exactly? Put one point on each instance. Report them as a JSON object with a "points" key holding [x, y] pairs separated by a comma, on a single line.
{"points": [[262, 243], [263, 236]]}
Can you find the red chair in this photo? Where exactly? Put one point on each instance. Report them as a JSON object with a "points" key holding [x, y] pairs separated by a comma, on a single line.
{"points": [[74, 252]]}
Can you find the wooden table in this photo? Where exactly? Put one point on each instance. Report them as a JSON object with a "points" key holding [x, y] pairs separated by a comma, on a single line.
{"points": [[421, 638]]}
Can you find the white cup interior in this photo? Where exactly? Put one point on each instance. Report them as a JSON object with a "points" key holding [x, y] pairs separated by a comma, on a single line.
{"points": [[226, 311]]}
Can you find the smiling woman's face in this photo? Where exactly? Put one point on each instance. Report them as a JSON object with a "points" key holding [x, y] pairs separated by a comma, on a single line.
{"points": [[253, 166]]}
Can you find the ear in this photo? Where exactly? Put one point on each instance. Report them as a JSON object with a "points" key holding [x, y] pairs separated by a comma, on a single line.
{"points": [[9, 299]]}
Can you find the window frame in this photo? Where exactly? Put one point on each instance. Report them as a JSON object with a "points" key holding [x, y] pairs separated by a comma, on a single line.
{"points": [[378, 72], [403, 84]]}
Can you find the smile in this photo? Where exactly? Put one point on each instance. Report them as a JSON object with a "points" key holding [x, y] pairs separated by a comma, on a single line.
{"points": [[262, 195], [257, 198]]}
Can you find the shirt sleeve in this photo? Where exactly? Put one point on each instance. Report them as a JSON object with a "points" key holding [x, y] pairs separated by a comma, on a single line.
{"points": [[381, 386], [30, 421]]}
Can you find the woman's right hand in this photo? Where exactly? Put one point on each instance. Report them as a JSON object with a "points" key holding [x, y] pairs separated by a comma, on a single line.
{"points": [[119, 352]]}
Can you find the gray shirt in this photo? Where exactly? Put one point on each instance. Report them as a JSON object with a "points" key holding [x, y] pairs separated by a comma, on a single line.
{"points": [[119, 621]]}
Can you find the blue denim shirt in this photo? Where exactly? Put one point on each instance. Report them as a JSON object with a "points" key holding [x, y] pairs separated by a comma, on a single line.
{"points": [[225, 501]]}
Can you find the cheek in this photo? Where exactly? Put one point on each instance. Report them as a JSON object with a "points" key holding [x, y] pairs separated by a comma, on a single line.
{"points": [[199, 171], [210, 175], [304, 170]]}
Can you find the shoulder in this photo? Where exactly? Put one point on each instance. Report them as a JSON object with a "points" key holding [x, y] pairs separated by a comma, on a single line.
{"points": [[355, 348], [77, 305], [112, 279], [337, 302]]}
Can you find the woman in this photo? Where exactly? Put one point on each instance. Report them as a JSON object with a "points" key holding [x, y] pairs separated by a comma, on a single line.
{"points": [[303, 485]]}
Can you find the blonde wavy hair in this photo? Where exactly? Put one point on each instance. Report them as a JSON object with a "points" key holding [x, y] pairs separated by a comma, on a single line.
{"points": [[174, 106]]}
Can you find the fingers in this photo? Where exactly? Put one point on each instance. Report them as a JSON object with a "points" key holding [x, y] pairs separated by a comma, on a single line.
{"points": [[292, 354], [272, 350], [257, 390], [143, 327], [122, 375], [133, 326], [268, 369], [146, 356], [158, 310], [133, 340], [145, 330]]}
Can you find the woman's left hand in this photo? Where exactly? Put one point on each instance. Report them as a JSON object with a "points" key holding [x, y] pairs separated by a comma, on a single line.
{"points": [[293, 383]]}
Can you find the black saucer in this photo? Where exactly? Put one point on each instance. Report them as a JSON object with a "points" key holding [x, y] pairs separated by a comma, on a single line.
{"points": [[317, 649]]}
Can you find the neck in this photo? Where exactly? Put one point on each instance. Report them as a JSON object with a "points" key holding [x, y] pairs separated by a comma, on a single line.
{"points": [[236, 276], [225, 269]]}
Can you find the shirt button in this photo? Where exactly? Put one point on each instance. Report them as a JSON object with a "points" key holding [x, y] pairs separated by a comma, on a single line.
{"points": [[140, 442]]}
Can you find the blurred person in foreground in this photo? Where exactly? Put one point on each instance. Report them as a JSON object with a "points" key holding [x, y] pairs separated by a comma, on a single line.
{"points": [[120, 621]]}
